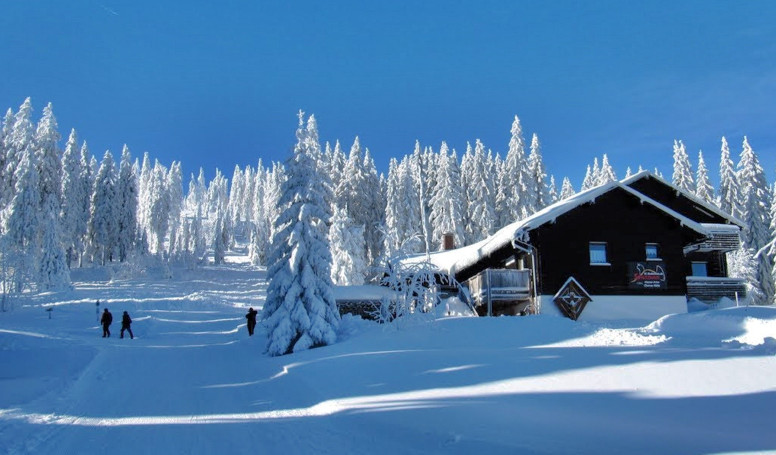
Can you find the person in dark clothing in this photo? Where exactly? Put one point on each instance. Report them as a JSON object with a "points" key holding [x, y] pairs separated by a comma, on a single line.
{"points": [[251, 317], [106, 321], [126, 321]]}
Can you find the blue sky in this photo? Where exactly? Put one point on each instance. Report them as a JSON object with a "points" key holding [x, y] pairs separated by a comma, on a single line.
{"points": [[215, 84]]}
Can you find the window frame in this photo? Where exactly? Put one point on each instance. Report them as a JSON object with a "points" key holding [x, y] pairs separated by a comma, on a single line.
{"points": [[605, 252]]}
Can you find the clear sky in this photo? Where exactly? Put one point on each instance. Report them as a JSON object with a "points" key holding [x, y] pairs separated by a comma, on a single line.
{"points": [[218, 83]]}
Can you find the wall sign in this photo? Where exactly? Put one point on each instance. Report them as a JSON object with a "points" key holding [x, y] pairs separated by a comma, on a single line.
{"points": [[571, 299], [647, 275]]}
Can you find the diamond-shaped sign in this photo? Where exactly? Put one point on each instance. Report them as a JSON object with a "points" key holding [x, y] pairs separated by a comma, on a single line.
{"points": [[572, 299]]}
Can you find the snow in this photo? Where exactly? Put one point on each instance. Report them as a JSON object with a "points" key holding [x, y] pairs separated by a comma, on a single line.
{"points": [[193, 382]]}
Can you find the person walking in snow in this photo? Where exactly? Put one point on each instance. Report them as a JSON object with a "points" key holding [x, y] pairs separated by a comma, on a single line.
{"points": [[126, 321], [106, 321], [251, 317]]}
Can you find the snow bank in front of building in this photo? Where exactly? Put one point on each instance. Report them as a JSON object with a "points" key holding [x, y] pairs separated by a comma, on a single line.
{"points": [[623, 307]]}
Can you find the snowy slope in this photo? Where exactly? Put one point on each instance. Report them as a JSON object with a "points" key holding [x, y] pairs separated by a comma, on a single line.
{"points": [[192, 381]]}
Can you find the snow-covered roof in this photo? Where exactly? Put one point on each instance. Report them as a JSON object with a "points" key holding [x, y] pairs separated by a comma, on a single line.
{"points": [[706, 206], [453, 261]]}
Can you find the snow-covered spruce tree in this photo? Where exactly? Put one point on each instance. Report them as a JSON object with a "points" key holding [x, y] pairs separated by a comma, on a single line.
{"points": [[73, 215], [103, 220], [347, 246], [567, 189], [87, 188], [159, 210], [174, 186], [589, 180], [756, 198], [144, 195], [272, 194], [703, 188], [54, 274], [682, 176], [5, 137], [48, 161], [595, 172], [300, 311], [742, 264], [375, 210], [126, 201], [19, 141], [236, 192], [393, 210], [538, 194], [21, 227], [553, 190], [606, 173], [510, 206], [447, 201], [480, 211], [729, 196], [220, 238], [350, 192]]}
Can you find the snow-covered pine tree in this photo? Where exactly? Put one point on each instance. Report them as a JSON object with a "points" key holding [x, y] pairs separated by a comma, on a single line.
{"points": [[144, 195], [54, 274], [595, 172], [538, 194], [159, 209], [5, 137], [174, 186], [756, 196], [19, 141], [567, 189], [553, 190], [87, 188], [103, 225], [514, 177], [49, 162], [21, 226], [236, 194], [682, 176], [347, 246], [606, 173], [703, 188], [447, 201], [126, 202], [374, 217], [589, 180], [300, 311], [73, 216], [220, 238], [480, 211], [729, 194]]}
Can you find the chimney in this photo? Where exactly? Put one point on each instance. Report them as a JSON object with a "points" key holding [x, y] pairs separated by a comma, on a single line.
{"points": [[448, 241]]}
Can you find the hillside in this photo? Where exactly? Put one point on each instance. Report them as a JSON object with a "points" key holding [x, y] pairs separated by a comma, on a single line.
{"points": [[193, 382]]}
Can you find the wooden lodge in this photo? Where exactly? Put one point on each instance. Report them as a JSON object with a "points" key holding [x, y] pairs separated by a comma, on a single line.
{"points": [[641, 237]]}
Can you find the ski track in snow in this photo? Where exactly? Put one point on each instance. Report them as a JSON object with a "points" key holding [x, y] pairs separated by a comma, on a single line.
{"points": [[192, 381]]}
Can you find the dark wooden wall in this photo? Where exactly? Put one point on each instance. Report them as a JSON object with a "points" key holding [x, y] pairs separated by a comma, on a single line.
{"points": [[626, 224], [668, 196]]}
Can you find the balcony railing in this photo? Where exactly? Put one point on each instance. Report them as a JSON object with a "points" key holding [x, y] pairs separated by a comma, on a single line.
{"points": [[722, 237], [711, 289], [500, 286]]}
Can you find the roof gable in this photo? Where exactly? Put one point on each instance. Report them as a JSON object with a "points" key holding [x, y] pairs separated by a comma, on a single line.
{"points": [[688, 204]]}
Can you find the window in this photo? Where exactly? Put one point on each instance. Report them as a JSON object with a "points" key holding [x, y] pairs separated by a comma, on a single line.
{"points": [[651, 251], [598, 253], [699, 269]]}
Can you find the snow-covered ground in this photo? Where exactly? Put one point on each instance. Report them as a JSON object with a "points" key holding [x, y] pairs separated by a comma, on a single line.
{"points": [[193, 382]]}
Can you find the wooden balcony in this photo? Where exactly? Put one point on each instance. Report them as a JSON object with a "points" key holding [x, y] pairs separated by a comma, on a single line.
{"points": [[722, 237], [501, 291], [711, 289]]}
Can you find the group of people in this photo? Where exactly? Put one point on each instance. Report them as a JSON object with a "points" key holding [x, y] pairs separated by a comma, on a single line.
{"points": [[107, 320], [126, 322]]}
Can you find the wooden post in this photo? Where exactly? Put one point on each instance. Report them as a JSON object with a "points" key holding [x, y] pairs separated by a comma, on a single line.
{"points": [[490, 301]]}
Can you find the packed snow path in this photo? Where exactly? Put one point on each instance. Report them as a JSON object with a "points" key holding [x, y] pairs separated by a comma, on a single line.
{"points": [[192, 381]]}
